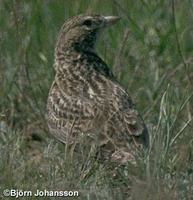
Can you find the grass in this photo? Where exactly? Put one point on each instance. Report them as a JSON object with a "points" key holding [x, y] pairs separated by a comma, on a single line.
{"points": [[154, 63]]}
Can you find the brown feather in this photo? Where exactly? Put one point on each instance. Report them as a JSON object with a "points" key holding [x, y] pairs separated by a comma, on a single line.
{"points": [[86, 98]]}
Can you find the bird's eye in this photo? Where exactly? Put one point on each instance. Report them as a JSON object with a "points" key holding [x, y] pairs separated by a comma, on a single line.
{"points": [[87, 22]]}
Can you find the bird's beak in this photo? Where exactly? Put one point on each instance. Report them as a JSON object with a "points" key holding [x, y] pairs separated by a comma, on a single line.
{"points": [[110, 20]]}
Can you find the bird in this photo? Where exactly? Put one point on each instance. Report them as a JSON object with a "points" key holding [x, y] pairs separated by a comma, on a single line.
{"points": [[86, 99]]}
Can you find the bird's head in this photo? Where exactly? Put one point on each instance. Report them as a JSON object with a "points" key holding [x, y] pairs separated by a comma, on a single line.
{"points": [[80, 32]]}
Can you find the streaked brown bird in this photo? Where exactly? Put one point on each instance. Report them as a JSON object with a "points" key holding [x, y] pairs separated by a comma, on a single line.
{"points": [[85, 97]]}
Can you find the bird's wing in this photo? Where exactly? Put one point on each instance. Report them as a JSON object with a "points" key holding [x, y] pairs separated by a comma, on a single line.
{"points": [[127, 115]]}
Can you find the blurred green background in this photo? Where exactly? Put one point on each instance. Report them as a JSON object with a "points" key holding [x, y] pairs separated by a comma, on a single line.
{"points": [[151, 53]]}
